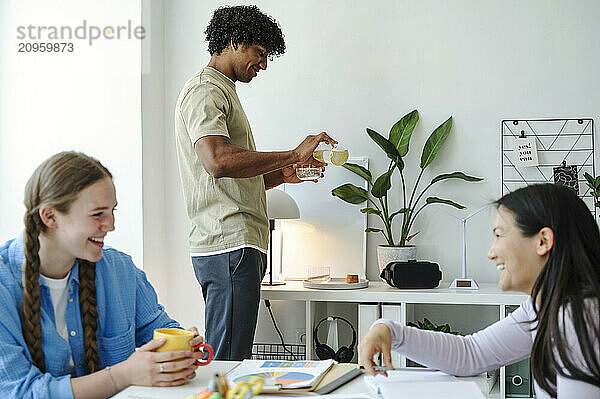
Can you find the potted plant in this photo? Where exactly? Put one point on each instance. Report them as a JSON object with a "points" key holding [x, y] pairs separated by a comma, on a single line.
{"points": [[396, 147], [594, 184], [428, 325]]}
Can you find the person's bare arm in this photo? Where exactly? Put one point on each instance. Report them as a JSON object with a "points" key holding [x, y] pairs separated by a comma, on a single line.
{"points": [[273, 179], [104, 383], [96, 385], [220, 158], [286, 175], [143, 367]]}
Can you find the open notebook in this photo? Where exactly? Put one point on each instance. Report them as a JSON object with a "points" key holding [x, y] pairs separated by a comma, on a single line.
{"points": [[295, 376], [288, 375]]}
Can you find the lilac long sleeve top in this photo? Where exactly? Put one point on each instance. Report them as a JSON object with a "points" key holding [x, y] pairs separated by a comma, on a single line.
{"points": [[504, 342]]}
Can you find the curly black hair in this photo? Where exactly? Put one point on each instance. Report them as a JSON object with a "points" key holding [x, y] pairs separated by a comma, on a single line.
{"points": [[245, 25]]}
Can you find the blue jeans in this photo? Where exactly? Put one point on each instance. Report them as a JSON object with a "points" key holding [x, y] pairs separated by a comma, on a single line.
{"points": [[231, 289]]}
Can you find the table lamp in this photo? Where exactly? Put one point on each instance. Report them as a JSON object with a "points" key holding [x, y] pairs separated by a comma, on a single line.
{"points": [[280, 205]]}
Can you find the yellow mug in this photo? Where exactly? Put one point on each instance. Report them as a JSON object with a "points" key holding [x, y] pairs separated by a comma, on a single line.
{"points": [[176, 339], [179, 340]]}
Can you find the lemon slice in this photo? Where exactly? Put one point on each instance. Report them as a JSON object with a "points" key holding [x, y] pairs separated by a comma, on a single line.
{"points": [[318, 155], [339, 157]]}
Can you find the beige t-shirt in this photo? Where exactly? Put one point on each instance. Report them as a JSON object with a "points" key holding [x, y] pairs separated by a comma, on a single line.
{"points": [[225, 212]]}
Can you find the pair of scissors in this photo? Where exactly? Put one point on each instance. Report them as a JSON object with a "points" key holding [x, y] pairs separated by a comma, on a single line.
{"points": [[205, 348], [245, 389]]}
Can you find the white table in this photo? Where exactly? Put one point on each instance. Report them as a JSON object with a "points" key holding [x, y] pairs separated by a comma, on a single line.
{"points": [[355, 388]]}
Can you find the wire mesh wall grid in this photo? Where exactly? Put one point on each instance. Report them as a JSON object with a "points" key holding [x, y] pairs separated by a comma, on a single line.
{"points": [[262, 351], [558, 140]]}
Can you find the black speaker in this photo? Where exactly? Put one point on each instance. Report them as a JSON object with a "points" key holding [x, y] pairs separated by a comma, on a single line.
{"points": [[412, 274], [344, 354]]}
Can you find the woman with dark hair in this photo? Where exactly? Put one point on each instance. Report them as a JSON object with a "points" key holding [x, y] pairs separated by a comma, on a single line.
{"points": [[546, 244], [72, 312]]}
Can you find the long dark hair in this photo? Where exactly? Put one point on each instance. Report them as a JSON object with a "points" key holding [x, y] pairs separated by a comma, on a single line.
{"points": [[569, 282], [57, 183]]}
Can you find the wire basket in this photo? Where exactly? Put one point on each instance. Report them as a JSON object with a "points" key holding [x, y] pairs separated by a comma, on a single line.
{"points": [[278, 352]]}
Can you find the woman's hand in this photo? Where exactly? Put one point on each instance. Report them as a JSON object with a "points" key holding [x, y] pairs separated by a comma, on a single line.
{"points": [[378, 340], [149, 368]]}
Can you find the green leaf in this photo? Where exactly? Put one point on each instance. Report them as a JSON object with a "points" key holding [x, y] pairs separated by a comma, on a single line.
{"points": [[382, 184], [371, 230], [593, 183], [401, 210], [427, 325], [359, 170], [402, 130], [371, 211], [436, 200], [385, 144], [351, 193], [455, 175], [435, 142]]}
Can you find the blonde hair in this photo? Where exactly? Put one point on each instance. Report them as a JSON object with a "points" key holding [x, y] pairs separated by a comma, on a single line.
{"points": [[56, 183]]}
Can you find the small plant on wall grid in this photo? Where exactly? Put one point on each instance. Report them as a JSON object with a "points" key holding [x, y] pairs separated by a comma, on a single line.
{"points": [[594, 185]]}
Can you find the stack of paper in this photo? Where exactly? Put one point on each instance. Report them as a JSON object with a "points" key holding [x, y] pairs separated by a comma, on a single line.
{"points": [[422, 384], [424, 390]]}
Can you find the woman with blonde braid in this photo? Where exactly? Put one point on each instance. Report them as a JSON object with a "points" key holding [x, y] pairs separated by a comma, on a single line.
{"points": [[72, 312]]}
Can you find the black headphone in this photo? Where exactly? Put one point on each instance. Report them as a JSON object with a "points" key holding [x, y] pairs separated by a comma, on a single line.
{"points": [[344, 354]]}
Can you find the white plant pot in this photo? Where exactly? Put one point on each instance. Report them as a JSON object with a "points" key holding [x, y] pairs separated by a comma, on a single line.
{"points": [[387, 254]]}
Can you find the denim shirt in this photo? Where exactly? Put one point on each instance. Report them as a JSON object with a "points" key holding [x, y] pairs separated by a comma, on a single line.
{"points": [[128, 312]]}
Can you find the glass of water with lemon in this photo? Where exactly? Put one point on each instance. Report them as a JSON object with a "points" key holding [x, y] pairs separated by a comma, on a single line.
{"points": [[325, 152], [335, 154]]}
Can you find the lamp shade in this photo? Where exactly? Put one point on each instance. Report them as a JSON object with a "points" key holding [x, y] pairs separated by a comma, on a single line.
{"points": [[280, 205]]}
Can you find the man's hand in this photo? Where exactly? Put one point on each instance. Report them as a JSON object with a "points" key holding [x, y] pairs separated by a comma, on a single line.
{"points": [[378, 340], [304, 151], [289, 174]]}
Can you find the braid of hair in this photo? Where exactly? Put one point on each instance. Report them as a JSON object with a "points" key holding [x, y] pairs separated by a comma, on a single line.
{"points": [[32, 320], [89, 314]]}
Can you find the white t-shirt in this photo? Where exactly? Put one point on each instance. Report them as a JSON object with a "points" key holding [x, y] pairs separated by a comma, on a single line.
{"points": [[59, 292]]}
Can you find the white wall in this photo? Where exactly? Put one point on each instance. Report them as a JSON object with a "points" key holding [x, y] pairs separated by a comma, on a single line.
{"points": [[354, 64], [153, 154], [87, 100]]}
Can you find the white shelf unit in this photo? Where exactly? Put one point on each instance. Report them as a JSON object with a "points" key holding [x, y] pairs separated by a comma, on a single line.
{"points": [[381, 297]]}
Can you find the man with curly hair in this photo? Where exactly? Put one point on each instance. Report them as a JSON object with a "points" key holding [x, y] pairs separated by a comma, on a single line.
{"points": [[224, 178]]}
